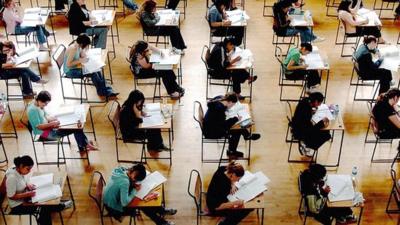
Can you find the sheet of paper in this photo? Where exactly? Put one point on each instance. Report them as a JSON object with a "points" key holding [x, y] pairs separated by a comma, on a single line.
{"points": [[153, 107], [153, 120], [71, 115], [102, 15], [247, 178], [93, 65], [238, 110], [314, 60], [322, 112], [47, 193], [168, 57], [36, 10], [42, 180], [373, 19], [251, 189], [26, 54], [149, 183], [341, 187], [246, 60]]}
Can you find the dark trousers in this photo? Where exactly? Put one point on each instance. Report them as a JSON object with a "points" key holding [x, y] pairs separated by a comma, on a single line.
{"points": [[44, 214], [374, 31], [26, 77], [233, 217], [311, 76], [238, 77], [327, 213], [175, 35], [153, 136], [154, 213], [235, 138], [168, 77], [172, 4], [383, 75], [60, 4], [316, 139], [97, 78], [236, 32]]}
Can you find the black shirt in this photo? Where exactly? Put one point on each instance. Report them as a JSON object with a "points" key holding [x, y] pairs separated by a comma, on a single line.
{"points": [[75, 19], [218, 190], [301, 121], [128, 123], [215, 124], [382, 111]]}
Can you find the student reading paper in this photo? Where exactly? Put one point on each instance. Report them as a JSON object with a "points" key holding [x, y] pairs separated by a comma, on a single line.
{"points": [[19, 189], [222, 184], [122, 187]]}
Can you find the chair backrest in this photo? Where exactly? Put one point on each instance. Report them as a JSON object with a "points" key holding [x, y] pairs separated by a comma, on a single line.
{"points": [[279, 55], [195, 188], [205, 55], [289, 112], [198, 113], [97, 183], [355, 64], [374, 125], [59, 55], [114, 117], [396, 187], [128, 54], [3, 189]]}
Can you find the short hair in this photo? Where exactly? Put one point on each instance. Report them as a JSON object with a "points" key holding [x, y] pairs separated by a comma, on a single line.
{"points": [[235, 168], [141, 171], [370, 39], [24, 160], [230, 97], [43, 96], [83, 40], [317, 171], [227, 40], [316, 96], [306, 46], [149, 5]]}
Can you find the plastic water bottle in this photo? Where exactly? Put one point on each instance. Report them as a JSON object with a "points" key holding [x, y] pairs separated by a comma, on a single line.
{"points": [[354, 173], [3, 102]]}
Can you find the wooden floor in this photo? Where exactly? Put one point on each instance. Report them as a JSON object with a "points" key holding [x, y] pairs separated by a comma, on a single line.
{"points": [[268, 154]]}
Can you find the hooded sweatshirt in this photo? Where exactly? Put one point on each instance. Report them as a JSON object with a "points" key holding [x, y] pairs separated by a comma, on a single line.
{"points": [[117, 194], [15, 184]]}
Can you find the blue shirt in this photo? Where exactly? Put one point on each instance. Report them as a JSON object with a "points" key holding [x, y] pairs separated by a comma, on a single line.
{"points": [[36, 116], [76, 57], [214, 15]]}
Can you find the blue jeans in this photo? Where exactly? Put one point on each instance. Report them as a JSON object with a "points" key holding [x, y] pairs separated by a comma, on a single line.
{"points": [[26, 77], [306, 34], [130, 4], [100, 36], [79, 135], [41, 32], [98, 81]]}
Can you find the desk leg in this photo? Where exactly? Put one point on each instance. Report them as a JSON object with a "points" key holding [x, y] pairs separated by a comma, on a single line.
{"points": [[248, 160], [92, 124], [327, 81], [340, 149], [360, 215], [116, 25], [109, 66], [170, 146], [251, 84], [112, 40], [70, 192], [262, 216]]}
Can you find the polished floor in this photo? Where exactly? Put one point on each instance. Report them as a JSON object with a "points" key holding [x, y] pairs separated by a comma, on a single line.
{"points": [[269, 154]]}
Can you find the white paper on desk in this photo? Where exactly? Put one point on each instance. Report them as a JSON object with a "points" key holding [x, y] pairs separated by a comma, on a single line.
{"points": [[237, 16], [26, 54], [101, 15], [71, 115], [42, 180], [250, 190], [95, 63], [157, 66], [47, 193], [238, 110], [149, 183], [36, 10], [341, 187], [298, 20], [246, 56], [373, 19], [314, 61], [168, 57], [153, 119], [152, 107], [322, 112]]}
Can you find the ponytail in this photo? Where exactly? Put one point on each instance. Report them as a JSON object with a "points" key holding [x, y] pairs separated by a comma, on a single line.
{"points": [[24, 160], [235, 168], [391, 93]]}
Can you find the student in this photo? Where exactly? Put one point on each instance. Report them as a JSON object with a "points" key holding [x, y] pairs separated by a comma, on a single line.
{"points": [[282, 26], [19, 190], [354, 28], [46, 126], [386, 116], [230, 4], [315, 191], [8, 71], [121, 189], [221, 58], [59, 6], [220, 23], [397, 14], [80, 22], [149, 18], [75, 56], [296, 69], [368, 69], [311, 135], [172, 4], [13, 24], [131, 116], [142, 68], [216, 125], [222, 184]]}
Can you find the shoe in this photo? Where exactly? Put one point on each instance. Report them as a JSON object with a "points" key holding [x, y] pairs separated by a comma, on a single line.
{"points": [[67, 204], [253, 137], [318, 39], [312, 89], [42, 81], [43, 49], [309, 152], [29, 96], [168, 211], [176, 51], [238, 154], [175, 95], [164, 148], [240, 97], [341, 220], [392, 83], [252, 79], [168, 223], [113, 94], [351, 219], [302, 148], [230, 153], [181, 90]]}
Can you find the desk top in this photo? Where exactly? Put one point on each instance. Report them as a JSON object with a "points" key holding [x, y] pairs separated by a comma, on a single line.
{"points": [[66, 108], [103, 17], [256, 203], [237, 126], [373, 18], [167, 120], [137, 203], [237, 17], [34, 17], [168, 17], [347, 203], [302, 19], [336, 124], [246, 61]]}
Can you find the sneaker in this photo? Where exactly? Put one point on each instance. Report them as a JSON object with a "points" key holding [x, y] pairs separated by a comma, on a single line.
{"points": [[42, 81], [313, 89], [341, 220], [238, 154], [253, 137], [181, 90], [164, 148], [240, 97], [168, 211], [302, 148], [252, 79], [67, 204], [177, 51], [230, 153], [28, 96], [175, 95], [351, 219], [392, 83], [318, 39], [309, 152]]}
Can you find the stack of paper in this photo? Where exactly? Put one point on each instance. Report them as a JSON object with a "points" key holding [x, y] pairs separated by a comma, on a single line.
{"points": [[341, 187], [71, 115], [149, 183], [167, 57], [153, 116], [45, 189], [250, 186], [391, 58], [238, 110], [26, 54], [237, 16], [321, 113], [102, 15], [95, 62], [246, 56]]}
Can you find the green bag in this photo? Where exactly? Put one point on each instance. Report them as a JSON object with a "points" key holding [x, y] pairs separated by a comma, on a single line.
{"points": [[315, 203]]}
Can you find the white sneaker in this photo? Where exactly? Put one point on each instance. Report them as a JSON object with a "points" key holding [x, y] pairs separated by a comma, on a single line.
{"points": [[68, 204], [309, 152], [302, 148], [318, 39], [313, 89], [176, 51], [392, 83]]}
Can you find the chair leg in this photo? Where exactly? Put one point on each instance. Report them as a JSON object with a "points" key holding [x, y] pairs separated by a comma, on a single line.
{"points": [[373, 153], [222, 153]]}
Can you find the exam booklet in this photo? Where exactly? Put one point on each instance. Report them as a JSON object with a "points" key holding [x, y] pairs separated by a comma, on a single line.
{"points": [[322, 112], [151, 181], [250, 186], [341, 187], [154, 116], [238, 110], [45, 189]]}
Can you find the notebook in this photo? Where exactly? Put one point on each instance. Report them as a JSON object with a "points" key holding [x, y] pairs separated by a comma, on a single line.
{"points": [[45, 189], [71, 115], [250, 186], [154, 116], [341, 187], [151, 181], [322, 112], [238, 110]]}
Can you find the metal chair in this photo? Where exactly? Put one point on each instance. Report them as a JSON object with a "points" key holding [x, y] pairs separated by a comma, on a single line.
{"points": [[4, 151], [211, 79], [198, 116], [346, 36], [394, 194], [361, 82], [386, 5], [147, 33], [265, 7], [285, 82]]}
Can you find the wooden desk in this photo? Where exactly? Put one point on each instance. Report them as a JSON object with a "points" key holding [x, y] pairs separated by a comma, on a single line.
{"points": [[158, 202], [37, 17], [373, 19], [168, 18], [106, 18], [336, 125], [301, 19]]}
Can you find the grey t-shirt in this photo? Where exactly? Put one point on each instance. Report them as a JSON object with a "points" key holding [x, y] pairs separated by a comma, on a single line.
{"points": [[15, 184]]}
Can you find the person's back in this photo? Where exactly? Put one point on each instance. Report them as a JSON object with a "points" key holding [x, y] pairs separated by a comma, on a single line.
{"points": [[116, 194], [9, 18], [382, 111], [76, 56], [214, 120], [36, 116], [75, 19], [301, 121], [294, 55], [215, 60], [214, 15], [218, 189], [128, 123]]}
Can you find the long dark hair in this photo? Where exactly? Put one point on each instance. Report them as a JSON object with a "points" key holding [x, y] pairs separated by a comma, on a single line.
{"points": [[149, 5], [344, 5], [24, 160], [138, 48], [391, 93], [218, 4], [133, 98]]}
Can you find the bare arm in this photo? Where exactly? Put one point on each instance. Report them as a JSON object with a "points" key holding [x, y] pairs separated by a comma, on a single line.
{"points": [[356, 8], [230, 205], [24, 195], [143, 63], [395, 120], [70, 58], [292, 66]]}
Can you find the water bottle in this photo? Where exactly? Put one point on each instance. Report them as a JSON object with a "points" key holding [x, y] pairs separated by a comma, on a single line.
{"points": [[354, 173], [3, 100]]}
